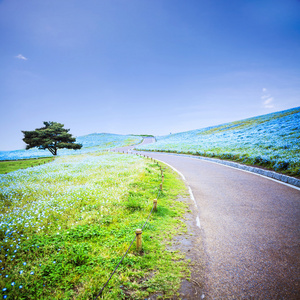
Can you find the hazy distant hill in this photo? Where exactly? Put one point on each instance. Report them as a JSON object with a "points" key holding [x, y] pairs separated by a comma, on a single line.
{"points": [[271, 141], [90, 143]]}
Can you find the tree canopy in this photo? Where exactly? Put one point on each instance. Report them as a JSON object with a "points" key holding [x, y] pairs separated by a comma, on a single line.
{"points": [[52, 137]]}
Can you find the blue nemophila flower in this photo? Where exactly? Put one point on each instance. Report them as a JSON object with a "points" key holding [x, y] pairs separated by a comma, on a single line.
{"points": [[5, 296], [20, 286], [6, 276], [31, 273], [54, 262], [4, 289], [24, 263], [13, 283], [21, 272]]}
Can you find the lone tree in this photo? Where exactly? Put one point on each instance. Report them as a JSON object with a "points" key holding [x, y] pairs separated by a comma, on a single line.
{"points": [[52, 137]]}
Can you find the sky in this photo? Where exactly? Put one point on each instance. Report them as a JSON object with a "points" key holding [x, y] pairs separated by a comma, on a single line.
{"points": [[144, 66]]}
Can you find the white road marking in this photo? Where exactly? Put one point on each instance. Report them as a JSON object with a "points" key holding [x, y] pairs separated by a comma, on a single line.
{"points": [[213, 162], [192, 196], [190, 190], [173, 169], [278, 181]]}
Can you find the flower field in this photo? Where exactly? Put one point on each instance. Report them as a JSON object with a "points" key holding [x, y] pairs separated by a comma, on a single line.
{"points": [[90, 143], [271, 141], [65, 225]]}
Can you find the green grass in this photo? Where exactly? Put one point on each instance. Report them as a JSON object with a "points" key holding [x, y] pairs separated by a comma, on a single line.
{"points": [[13, 165], [92, 205]]}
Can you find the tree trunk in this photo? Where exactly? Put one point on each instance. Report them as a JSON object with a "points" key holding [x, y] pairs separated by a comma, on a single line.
{"points": [[52, 150]]}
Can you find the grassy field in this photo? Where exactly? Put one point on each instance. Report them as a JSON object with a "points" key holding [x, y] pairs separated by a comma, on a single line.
{"points": [[271, 141], [65, 225], [13, 165]]}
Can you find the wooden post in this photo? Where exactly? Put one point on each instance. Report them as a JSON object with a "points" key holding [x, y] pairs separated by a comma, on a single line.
{"points": [[155, 204], [138, 234], [162, 178], [161, 186]]}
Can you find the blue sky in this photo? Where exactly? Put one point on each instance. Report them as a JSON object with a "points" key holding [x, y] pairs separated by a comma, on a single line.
{"points": [[144, 66]]}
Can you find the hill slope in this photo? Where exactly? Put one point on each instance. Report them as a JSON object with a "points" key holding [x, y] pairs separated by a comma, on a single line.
{"points": [[271, 141], [90, 143]]}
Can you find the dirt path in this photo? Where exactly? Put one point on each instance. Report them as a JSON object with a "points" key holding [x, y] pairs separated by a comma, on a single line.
{"points": [[249, 229]]}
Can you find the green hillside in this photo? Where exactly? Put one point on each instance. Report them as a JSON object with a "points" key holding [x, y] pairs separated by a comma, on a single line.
{"points": [[271, 141]]}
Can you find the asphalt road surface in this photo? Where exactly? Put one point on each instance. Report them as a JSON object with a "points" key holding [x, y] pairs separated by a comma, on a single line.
{"points": [[250, 227]]}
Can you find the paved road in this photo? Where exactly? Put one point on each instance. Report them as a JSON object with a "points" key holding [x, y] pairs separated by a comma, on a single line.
{"points": [[250, 227]]}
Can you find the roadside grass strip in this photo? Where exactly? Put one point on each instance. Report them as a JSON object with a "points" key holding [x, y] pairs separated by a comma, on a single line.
{"points": [[90, 143], [271, 141], [65, 225]]}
